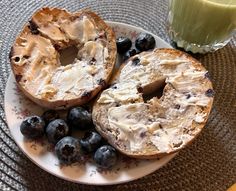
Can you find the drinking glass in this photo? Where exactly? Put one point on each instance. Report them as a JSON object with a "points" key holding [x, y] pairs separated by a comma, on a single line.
{"points": [[201, 26]]}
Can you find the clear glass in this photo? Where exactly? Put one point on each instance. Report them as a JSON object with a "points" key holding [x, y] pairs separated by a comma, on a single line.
{"points": [[201, 26]]}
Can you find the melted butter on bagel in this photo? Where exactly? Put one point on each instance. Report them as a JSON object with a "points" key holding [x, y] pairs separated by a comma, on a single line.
{"points": [[36, 61], [159, 125]]}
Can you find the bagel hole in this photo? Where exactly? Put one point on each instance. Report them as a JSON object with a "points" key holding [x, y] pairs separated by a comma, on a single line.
{"points": [[68, 55], [158, 93], [154, 90]]}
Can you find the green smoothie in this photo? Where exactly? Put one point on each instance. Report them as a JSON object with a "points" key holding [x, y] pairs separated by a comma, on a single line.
{"points": [[202, 22]]}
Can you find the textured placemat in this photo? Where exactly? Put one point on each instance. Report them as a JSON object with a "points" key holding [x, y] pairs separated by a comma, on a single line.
{"points": [[208, 164]]}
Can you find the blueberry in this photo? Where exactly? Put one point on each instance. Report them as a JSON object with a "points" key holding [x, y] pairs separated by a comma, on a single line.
{"points": [[105, 156], [68, 150], [91, 141], [32, 127], [79, 118], [50, 115], [123, 44], [145, 42], [129, 54], [56, 130]]}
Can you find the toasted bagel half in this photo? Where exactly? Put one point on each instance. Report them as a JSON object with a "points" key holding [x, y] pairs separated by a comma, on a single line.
{"points": [[144, 126], [35, 57]]}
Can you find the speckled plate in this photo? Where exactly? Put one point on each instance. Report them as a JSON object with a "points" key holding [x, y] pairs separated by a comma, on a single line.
{"points": [[17, 107]]}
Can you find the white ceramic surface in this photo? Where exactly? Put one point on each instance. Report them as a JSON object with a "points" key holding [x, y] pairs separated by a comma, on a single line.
{"points": [[17, 107]]}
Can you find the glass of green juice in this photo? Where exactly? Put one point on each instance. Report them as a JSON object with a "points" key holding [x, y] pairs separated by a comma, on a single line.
{"points": [[201, 26]]}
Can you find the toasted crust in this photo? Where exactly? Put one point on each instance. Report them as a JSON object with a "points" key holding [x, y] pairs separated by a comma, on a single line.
{"points": [[100, 110], [33, 27]]}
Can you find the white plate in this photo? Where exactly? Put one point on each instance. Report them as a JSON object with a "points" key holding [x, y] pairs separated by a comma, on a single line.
{"points": [[17, 107]]}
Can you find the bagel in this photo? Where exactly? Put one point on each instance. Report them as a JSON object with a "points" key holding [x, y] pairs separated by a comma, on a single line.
{"points": [[157, 126], [35, 57]]}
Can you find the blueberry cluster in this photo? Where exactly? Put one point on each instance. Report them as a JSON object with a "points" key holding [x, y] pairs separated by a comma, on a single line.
{"points": [[70, 149], [143, 42]]}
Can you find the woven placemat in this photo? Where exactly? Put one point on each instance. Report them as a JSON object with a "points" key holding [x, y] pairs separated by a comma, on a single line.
{"points": [[208, 164]]}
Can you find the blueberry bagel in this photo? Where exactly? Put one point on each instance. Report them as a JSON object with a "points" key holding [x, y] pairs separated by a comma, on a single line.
{"points": [[143, 126], [35, 57]]}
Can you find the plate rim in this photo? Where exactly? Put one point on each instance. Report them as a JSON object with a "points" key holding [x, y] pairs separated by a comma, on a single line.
{"points": [[170, 157]]}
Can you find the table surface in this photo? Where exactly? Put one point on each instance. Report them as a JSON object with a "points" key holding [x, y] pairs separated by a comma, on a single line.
{"points": [[208, 164]]}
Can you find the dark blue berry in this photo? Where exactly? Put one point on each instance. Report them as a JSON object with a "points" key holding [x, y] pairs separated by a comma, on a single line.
{"points": [[145, 42], [68, 150], [105, 156], [56, 130], [32, 127], [129, 54], [123, 44], [50, 115], [79, 118], [91, 141]]}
